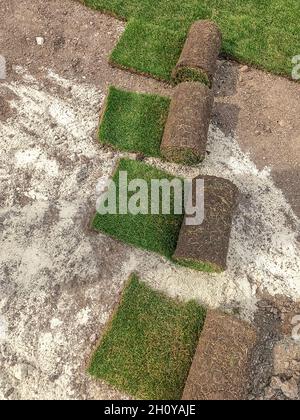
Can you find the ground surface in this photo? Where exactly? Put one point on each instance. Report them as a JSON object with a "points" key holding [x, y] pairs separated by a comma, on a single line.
{"points": [[58, 280]]}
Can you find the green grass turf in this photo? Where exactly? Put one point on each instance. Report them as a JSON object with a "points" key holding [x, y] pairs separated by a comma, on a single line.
{"points": [[149, 344], [148, 49], [156, 233], [134, 122], [264, 33]]}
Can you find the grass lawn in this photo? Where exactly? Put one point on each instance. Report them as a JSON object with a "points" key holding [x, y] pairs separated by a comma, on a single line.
{"points": [[148, 49], [149, 344], [263, 33], [134, 122], [156, 233]]}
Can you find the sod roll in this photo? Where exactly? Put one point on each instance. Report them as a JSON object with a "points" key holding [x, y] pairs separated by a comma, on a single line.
{"points": [[220, 366], [205, 246], [198, 60], [186, 130]]}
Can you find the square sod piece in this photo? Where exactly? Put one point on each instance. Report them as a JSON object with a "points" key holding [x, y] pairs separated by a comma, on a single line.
{"points": [[153, 232], [134, 121], [148, 49], [149, 344]]}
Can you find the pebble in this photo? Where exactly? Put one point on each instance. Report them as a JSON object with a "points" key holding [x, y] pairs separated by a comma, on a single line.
{"points": [[290, 389], [109, 155], [244, 69], [40, 40]]}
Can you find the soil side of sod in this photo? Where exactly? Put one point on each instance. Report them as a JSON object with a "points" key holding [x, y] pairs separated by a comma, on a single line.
{"points": [[220, 369], [149, 344], [134, 122], [253, 31], [198, 59], [186, 131], [207, 244]]}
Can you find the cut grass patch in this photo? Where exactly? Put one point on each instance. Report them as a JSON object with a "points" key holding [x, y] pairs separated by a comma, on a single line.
{"points": [[154, 232], [134, 122], [148, 49], [149, 344], [264, 33]]}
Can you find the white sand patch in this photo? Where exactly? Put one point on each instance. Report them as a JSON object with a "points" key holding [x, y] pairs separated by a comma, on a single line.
{"points": [[37, 159], [3, 329], [83, 316]]}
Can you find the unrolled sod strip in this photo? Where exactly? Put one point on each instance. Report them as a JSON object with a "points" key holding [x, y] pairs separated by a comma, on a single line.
{"points": [[198, 60], [220, 367], [186, 130], [205, 246]]}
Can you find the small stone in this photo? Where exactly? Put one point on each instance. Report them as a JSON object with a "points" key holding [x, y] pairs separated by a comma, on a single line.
{"points": [[281, 123], [295, 366], [269, 393], [285, 352], [275, 383], [109, 155], [290, 389], [9, 392], [40, 40], [244, 69], [93, 338], [21, 372], [258, 133]]}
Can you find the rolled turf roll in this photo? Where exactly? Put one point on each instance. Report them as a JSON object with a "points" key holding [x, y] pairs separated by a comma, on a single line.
{"points": [[205, 246], [185, 134], [198, 60], [220, 369]]}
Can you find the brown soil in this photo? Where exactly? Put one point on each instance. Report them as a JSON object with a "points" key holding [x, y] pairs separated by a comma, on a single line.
{"points": [[263, 111]]}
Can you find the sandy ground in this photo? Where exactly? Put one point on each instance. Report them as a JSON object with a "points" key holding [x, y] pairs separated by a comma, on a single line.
{"points": [[59, 281]]}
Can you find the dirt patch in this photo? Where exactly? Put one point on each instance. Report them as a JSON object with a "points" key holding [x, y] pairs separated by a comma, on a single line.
{"points": [[275, 360], [186, 130], [262, 110], [267, 322], [81, 56]]}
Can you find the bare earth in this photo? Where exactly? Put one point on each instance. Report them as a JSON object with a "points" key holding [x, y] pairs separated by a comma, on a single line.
{"points": [[59, 281]]}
